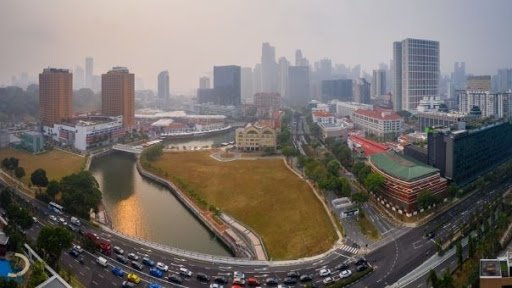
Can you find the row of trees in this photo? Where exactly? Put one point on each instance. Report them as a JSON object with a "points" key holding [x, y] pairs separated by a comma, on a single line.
{"points": [[325, 173], [19, 218]]}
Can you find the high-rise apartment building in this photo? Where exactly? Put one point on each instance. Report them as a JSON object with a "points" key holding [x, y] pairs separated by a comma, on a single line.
{"points": [[298, 86], [361, 92], [55, 96], [204, 83], [163, 85], [89, 70], [497, 105], [481, 83], [378, 83], [227, 85], [268, 68], [118, 95], [416, 64]]}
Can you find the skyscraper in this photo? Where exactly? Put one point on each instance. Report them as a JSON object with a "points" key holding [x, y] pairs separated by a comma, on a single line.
{"points": [[338, 89], [378, 83], [163, 85], [246, 84], [204, 83], [55, 96], [227, 86], [361, 92], [282, 85], [268, 68], [459, 75], [89, 70], [416, 71], [504, 80], [118, 95], [78, 78], [299, 59], [298, 81]]}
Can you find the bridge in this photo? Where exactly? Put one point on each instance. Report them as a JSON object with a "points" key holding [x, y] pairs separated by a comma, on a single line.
{"points": [[128, 148]]}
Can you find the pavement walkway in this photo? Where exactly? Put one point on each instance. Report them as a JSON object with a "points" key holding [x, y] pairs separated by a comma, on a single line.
{"points": [[256, 242]]}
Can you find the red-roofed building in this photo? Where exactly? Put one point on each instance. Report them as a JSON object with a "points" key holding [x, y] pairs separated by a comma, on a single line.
{"points": [[382, 123], [323, 117], [369, 147]]}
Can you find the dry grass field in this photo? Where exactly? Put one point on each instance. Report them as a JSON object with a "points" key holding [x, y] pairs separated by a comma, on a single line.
{"points": [[263, 194], [57, 164]]}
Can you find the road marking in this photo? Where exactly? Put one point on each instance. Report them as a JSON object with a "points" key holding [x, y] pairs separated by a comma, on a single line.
{"points": [[81, 273], [94, 282], [101, 276]]}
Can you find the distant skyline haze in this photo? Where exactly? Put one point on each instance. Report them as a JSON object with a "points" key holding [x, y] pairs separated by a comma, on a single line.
{"points": [[188, 38]]}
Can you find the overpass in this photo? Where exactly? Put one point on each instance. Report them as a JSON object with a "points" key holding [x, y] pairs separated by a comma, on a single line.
{"points": [[128, 148]]}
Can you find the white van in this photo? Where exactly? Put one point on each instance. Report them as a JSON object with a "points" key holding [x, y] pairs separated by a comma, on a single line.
{"points": [[102, 261]]}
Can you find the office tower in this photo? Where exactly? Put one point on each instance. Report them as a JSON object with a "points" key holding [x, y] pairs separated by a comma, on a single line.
{"points": [[246, 84], [282, 85], [89, 66], [504, 80], [323, 70], [378, 83], [482, 83], [163, 85], [204, 83], [339, 89], [298, 82], [299, 59], [459, 75], [226, 83], [268, 68], [55, 96], [256, 79], [361, 92], [416, 71], [78, 78], [118, 95]]}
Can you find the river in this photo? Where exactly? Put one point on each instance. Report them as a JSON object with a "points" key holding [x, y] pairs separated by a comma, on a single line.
{"points": [[142, 208]]}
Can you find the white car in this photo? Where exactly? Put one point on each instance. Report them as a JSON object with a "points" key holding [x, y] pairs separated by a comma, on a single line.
{"points": [[328, 280], [239, 275], [325, 272], [162, 266], [345, 273], [185, 272], [62, 220], [53, 218], [215, 285]]}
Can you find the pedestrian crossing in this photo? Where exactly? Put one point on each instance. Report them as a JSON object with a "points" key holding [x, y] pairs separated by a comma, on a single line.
{"points": [[349, 249]]}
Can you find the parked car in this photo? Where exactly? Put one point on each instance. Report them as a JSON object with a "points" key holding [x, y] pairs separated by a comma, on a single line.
{"points": [[361, 267], [132, 256], [239, 281], [53, 218], [345, 274], [127, 284], [342, 266], [202, 277], [137, 265], [185, 272], [325, 272], [216, 285], [134, 278], [155, 272], [148, 262], [73, 253], [253, 281], [306, 278], [271, 281], [118, 271], [238, 274], [290, 281], [118, 250], [122, 259], [162, 266], [361, 261], [220, 280], [328, 280], [293, 274], [154, 285], [175, 279]]}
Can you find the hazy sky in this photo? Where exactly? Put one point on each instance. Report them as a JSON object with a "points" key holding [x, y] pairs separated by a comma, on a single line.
{"points": [[188, 37]]}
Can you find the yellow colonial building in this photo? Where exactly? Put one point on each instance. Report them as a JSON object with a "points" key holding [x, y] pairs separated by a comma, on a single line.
{"points": [[255, 137]]}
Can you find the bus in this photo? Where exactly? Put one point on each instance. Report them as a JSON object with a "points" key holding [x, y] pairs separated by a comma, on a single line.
{"points": [[55, 207]]}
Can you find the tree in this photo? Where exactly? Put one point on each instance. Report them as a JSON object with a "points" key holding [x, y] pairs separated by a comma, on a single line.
{"points": [[374, 182], [333, 167], [80, 193], [288, 151], [447, 279], [425, 199], [19, 172], [38, 275], [10, 163], [8, 283], [153, 152], [460, 256], [38, 178], [53, 188], [452, 190], [359, 197], [432, 279], [51, 241]]}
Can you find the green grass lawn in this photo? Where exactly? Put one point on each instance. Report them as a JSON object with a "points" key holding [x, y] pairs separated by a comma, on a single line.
{"points": [[262, 194], [57, 164], [367, 228]]}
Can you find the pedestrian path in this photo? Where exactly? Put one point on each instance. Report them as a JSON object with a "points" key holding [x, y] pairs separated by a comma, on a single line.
{"points": [[349, 249]]}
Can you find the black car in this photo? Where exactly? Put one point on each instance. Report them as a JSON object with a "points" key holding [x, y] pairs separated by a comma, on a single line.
{"points": [[290, 281], [293, 274], [431, 235], [361, 267], [305, 278], [271, 281], [137, 265], [202, 277], [220, 280], [122, 259], [175, 279], [74, 253], [361, 261], [342, 266]]}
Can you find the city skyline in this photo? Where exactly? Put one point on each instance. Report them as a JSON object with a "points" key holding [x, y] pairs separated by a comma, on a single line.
{"points": [[233, 34]]}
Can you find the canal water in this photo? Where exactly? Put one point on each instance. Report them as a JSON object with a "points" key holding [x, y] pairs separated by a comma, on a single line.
{"points": [[142, 208]]}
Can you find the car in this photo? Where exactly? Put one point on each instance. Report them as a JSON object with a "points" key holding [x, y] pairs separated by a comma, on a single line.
{"points": [[185, 272], [290, 281], [175, 279], [134, 278], [220, 280], [271, 281], [328, 280], [118, 271], [431, 235], [293, 274], [238, 274], [154, 285], [148, 262], [239, 281], [361, 261], [73, 253], [35, 220], [325, 272], [216, 285], [53, 218], [62, 220], [253, 281], [72, 228], [162, 266], [202, 277], [345, 273], [342, 266], [132, 256], [78, 248], [102, 261], [65, 223], [118, 250], [236, 286], [81, 260], [122, 259], [361, 268], [305, 278], [137, 265], [127, 284], [155, 272]]}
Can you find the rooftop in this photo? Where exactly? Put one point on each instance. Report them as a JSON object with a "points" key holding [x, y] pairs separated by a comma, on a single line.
{"points": [[321, 113], [378, 114], [401, 167], [490, 268]]}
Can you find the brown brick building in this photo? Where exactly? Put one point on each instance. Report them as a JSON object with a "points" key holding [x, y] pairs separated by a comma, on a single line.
{"points": [[55, 96], [118, 95]]}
